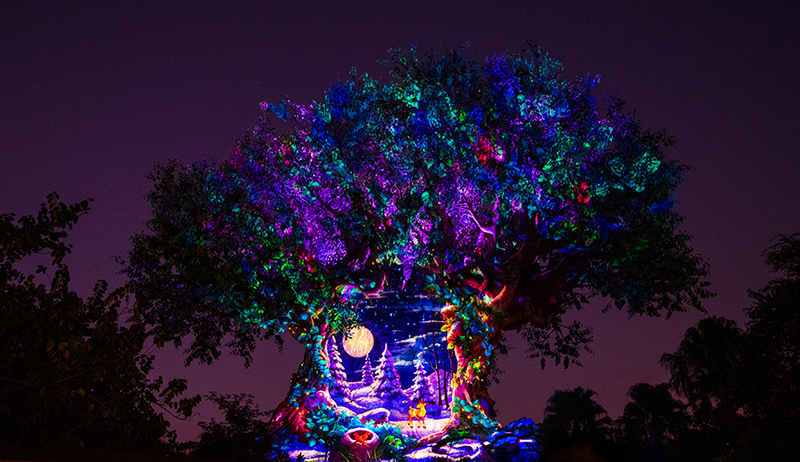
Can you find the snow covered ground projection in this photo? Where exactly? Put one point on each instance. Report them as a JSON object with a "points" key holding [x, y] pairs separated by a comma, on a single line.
{"points": [[396, 368]]}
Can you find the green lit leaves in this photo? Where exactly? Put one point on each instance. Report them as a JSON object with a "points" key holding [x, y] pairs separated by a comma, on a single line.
{"points": [[634, 174], [475, 418]]}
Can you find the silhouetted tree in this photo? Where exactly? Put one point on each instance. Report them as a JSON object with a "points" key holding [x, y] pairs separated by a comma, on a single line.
{"points": [[706, 370], [574, 417], [242, 436], [771, 360], [704, 367], [71, 373], [773, 334], [743, 386], [653, 423]]}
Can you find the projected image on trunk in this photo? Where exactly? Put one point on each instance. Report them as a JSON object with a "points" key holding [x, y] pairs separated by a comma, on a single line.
{"points": [[397, 367]]}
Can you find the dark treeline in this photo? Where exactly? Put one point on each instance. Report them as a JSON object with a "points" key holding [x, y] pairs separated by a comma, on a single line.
{"points": [[74, 371], [75, 375], [739, 390]]}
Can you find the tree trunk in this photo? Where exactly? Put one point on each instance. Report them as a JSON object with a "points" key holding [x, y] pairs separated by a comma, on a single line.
{"points": [[306, 390], [439, 378], [470, 382]]}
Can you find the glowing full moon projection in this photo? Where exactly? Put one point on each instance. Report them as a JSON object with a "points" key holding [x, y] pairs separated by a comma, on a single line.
{"points": [[359, 342]]}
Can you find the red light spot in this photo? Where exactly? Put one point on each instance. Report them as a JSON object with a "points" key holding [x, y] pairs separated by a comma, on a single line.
{"points": [[581, 192]]}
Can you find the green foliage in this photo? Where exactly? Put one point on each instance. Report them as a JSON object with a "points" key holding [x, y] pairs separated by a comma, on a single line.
{"points": [[394, 444], [71, 374], [462, 432], [194, 288], [326, 425], [477, 421]]}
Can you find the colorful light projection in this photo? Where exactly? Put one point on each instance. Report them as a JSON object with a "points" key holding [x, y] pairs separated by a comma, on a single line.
{"points": [[495, 188], [410, 330]]}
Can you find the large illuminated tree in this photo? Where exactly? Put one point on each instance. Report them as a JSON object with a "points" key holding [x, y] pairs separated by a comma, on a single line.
{"points": [[495, 186]]}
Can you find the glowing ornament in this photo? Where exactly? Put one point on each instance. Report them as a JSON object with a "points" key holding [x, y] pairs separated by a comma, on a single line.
{"points": [[359, 342]]}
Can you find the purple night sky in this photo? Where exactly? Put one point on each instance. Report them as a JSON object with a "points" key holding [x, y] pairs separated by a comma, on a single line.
{"points": [[93, 94]]}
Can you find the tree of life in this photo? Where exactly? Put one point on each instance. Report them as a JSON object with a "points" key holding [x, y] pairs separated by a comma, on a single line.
{"points": [[495, 187]]}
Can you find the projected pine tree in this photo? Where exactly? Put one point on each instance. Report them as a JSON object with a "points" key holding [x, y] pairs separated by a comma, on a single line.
{"points": [[366, 372], [421, 389], [339, 384], [387, 381], [494, 186]]}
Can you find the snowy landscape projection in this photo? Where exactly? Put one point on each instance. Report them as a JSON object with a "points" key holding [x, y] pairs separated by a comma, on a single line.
{"points": [[385, 370]]}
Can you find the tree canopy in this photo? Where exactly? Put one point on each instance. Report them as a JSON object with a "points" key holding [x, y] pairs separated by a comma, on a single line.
{"points": [[495, 185], [72, 374]]}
